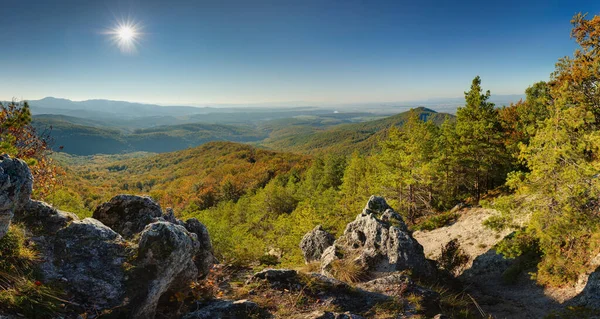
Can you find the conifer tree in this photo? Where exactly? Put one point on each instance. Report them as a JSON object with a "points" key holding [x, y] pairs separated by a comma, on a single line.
{"points": [[479, 145]]}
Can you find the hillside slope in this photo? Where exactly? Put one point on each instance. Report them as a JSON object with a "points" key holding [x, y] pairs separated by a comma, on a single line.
{"points": [[86, 137], [202, 175], [344, 138]]}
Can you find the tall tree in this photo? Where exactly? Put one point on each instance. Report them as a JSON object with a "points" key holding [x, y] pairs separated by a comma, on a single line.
{"points": [[479, 148], [408, 155]]}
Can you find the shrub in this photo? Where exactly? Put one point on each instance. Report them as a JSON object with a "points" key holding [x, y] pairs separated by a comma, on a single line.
{"points": [[436, 221], [452, 257]]}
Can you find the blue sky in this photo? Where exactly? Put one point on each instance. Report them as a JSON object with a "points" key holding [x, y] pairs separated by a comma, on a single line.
{"points": [[197, 52]]}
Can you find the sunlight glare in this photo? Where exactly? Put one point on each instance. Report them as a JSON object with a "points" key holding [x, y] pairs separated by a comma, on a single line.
{"points": [[125, 35]]}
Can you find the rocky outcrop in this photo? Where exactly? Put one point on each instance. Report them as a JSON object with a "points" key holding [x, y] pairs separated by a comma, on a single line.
{"points": [[88, 258], [128, 214], [42, 218], [129, 258], [314, 243], [229, 309], [381, 245], [164, 263], [16, 185]]}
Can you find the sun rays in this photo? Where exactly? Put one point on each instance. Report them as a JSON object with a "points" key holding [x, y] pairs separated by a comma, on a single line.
{"points": [[126, 36]]}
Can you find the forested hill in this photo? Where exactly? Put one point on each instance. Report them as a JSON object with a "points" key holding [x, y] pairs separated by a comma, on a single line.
{"points": [[202, 175], [345, 138], [337, 132], [85, 137]]}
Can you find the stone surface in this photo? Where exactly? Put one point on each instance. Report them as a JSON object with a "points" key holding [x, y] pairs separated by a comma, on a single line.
{"points": [[164, 265], [314, 243], [381, 247], [228, 309], [204, 259], [376, 205], [332, 315], [590, 296], [128, 214], [16, 184], [43, 218], [89, 257]]}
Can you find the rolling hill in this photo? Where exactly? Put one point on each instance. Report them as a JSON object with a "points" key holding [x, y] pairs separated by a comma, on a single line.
{"points": [[344, 138], [86, 137], [204, 174]]}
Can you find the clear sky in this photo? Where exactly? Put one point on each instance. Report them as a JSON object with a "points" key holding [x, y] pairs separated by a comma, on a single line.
{"points": [[251, 51]]}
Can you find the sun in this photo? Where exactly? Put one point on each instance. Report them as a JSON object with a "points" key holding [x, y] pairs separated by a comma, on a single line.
{"points": [[126, 35]]}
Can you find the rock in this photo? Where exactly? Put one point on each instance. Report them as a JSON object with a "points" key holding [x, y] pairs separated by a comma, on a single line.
{"points": [[314, 243], [42, 218], [332, 315], [204, 259], [164, 265], [380, 247], [401, 285], [441, 316], [376, 205], [277, 278], [228, 309], [16, 183], [128, 214], [89, 257], [590, 296]]}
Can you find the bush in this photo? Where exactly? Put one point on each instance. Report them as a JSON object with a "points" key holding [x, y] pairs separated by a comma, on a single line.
{"points": [[452, 257], [436, 221]]}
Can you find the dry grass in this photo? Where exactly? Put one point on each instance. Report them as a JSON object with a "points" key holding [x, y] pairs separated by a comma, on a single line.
{"points": [[348, 269], [20, 292]]}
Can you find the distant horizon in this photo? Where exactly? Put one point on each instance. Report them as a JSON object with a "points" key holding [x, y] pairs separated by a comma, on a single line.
{"points": [[433, 100]]}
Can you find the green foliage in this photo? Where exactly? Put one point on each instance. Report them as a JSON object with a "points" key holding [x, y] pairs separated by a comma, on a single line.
{"points": [[479, 148], [436, 221]]}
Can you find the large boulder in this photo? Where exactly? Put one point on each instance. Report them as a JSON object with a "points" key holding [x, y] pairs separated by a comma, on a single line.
{"points": [[16, 184], [128, 214], [88, 257], [164, 265], [380, 247], [314, 243]]}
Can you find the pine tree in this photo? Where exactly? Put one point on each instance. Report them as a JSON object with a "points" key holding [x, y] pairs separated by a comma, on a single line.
{"points": [[479, 147], [408, 156]]}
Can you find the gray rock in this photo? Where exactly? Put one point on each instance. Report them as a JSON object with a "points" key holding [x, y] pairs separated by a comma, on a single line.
{"points": [[441, 316], [89, 257], [380, 247], [228, 309], [400, 284], [376, 205], [204, 259], [16, 183], [273, 275], [164, 265], [128, 214], [332, 315], [278, 278], [42, 218], [590, 296], [314, 243]]}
